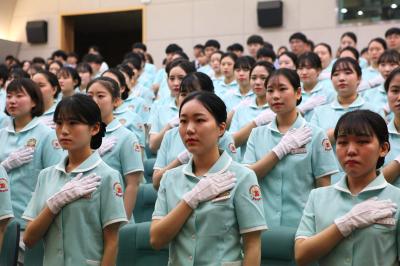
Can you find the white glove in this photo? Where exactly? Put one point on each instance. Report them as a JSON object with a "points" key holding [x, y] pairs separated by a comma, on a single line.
{"points": [[209, 187], [106, 145], [174, 122], [264, 117], [245, 102], [312, 103], [75, 189], [184, 157], [293, 139], [18, 158], [364, 214], [48, 121]]}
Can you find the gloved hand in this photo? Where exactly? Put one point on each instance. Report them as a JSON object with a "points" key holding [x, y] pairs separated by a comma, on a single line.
{"points": [[106, 145], [209, 187], [184, 157], [174, 122], [18, 158], [293, 139], [264, 117], [75, 189], [312, 103], [364, 214], [245, 102]]}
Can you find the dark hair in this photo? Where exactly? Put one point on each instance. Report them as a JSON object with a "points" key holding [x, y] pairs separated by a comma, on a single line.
{"points": [[352, 50], [135, 59], [139, 45], [389, 56], [211, 102], [212, 43], [198, 46], [172, 48], [244, 62], [327, 46], [54, 62], [93, 58], [82, 108], [32, 89], [52, 79], [291, 55], [84, 68], [392, 31], [17, 72], [187, 66], [364, 50], [349, 34], [3, 73], [122, 82], [380, 41], [73, 54], [290, 75], [95, 48], [311, 44], [125, 68], [391, 76], [70, 72], [110, 84], [267, 65], [346, 63], [196, 81], [255, 39], [182, 55], [59, 53], [298, 36], [231, 55], [363, 123], [38, 60], [236, 47], [268, 45], [266, 52], [309, 59]]}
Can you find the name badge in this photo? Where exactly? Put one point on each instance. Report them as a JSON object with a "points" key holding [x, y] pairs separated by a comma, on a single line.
{"points": [[300, 150]]}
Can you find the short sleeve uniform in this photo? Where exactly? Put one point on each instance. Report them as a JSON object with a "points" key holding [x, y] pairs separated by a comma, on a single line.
{"points": [[6, 211], [377, 97], [234, 97], [132, 122], [286, 187], [373, 245], [22, 180], [212, 233], [75, 237], [138, 105], [162, 115], [394, 140], [221, 88]]}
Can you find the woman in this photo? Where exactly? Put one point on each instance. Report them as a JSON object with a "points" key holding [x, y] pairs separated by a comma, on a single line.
{"points": [[287, 60], [229, 82], [6, 212], [324, 51], [28, 146], [77, 207], [288, 142], [120, 148], [50, 89], [354, 221], [85, 72], [69, 80], [376, 47], [194, 196], [164, 116], [215, 63]]}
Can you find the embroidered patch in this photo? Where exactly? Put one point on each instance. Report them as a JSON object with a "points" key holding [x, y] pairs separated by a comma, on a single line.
{"points": [[31, 143], [3, 185], [232, 147], [137, 147], [255, 192], [56, 144], [118, 189], [326, 144], [122, 121], [140, 126]]}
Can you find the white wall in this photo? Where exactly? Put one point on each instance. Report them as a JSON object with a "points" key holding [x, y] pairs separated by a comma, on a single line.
{"points": [[188, 22]]}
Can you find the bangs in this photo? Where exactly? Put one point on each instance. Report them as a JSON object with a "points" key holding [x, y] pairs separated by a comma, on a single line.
{"points": [[355, 125], [343, 66], [305, 63], [391, 58], [64, 73], [67, 110], [16, 86]]}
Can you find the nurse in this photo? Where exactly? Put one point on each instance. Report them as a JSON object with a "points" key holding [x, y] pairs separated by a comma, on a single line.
{"points": [[229, 82], [6, 212], [376, 47], [69, 80], [50, 89], [27, 146], [324, 52], [209, 210], [288, 142], [245, 113], [120, 148], [172, 152], [165, 116], [287, 60], [77, 207], [314, 92], [355, 221], [215, 63], [85, 72]]}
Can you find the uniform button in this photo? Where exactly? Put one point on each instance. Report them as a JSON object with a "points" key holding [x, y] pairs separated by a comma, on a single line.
{"points": [[190, 257]]}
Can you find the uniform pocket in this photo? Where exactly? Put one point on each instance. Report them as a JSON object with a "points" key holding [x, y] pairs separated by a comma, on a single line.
{"points": [[232, 263], [214, 220], [93, 262]]}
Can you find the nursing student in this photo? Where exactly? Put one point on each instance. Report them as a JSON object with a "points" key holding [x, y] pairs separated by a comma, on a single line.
{"points": [[355, 221], [165, 116], [289, 156], [120, 148], [50, 88], [210, 210], [77, 207], [287, 60], [172, 152], [6, 212], [314, 92], [69, 80], [229, 82], [27, 146], [324, 51]]}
